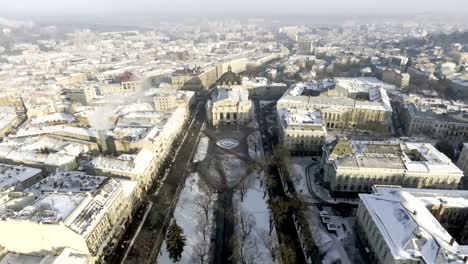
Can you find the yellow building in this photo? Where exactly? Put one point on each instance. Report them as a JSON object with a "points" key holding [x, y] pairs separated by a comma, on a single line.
{"points": [[230, 107], [302, 131]]}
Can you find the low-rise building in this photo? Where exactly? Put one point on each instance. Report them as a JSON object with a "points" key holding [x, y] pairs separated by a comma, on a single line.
{"points": [[355, 166], [302, 131], [400, 225]]}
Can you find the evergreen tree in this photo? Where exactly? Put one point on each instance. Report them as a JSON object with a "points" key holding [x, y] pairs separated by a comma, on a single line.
{"points": [[175, 241]]}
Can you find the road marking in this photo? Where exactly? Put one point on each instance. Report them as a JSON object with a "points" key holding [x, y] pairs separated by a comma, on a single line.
{"points": [[136, 233]]}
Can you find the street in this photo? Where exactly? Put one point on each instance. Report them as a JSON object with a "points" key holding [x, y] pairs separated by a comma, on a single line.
{"points": [[148, 241]]}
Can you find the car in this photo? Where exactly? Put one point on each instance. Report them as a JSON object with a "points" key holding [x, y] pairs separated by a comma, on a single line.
{"points": [[326, 220], [331, 227], [324, 213]]}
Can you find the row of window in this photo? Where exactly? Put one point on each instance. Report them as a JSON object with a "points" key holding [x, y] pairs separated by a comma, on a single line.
{"points": [[396, 179]]}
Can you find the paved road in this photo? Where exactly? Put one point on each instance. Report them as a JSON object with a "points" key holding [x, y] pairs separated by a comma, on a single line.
{"points": [[309, 178], [149, 239], [224, 230]]}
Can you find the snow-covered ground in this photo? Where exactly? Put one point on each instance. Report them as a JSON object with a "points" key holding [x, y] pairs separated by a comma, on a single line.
{"points": [[342, 244], [330, 245], [202, 149], [254, 205], [190, 217], [254, 146], [305, 183]]}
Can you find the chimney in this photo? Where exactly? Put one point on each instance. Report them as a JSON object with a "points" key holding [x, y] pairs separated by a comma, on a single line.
{"points": [[452, 240], [101, 140]]}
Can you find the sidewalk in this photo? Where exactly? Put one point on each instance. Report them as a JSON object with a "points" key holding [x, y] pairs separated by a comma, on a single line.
{"points": [[321, 193]]}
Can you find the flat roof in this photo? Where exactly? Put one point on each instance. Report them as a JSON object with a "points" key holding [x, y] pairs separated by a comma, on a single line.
{"points": [[12, 175]]}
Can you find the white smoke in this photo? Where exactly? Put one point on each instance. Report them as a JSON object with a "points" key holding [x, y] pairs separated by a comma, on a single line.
{"points": [[101, 117]]}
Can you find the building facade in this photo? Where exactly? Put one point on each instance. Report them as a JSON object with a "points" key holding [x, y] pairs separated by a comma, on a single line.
{"points": [[462, 161], [302, 132], [360, 103], [355, 166], [452, 125], [399, 226], [230, 107]]}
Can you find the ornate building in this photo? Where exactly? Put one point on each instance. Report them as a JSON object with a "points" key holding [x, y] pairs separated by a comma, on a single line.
{"points": [[231, 106], [355, 166]]}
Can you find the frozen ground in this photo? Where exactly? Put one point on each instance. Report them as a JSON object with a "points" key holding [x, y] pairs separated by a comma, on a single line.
{"points": [[255, 205], [202, 149], [189, 217]]}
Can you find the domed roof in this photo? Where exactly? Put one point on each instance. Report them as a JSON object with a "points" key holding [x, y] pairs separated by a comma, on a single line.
{"points": [[229, 78]]}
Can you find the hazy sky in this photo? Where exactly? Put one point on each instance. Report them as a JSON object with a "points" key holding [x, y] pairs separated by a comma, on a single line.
{"points": [[223, 6]]}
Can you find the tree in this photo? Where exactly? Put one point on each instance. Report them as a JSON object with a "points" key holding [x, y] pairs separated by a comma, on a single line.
{"points": [[446, 148], [203, 226], [269, 242], [175, 241], [244, 244], [201, 250], [287, 253], [205, 200], [246, 224], [245, 185], [279, 208]]}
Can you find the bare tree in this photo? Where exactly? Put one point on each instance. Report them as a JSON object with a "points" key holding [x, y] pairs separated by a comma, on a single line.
{"points": [[201, 250], [246, 224], [244, 244], [269, 242], [205, 200], [244, 186], [203, 226]]}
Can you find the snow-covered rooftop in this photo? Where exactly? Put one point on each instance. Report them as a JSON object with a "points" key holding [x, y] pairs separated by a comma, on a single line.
{"points": [[234, 94], [407, 156], [408, 228], [362, 84], [10, 176], [68, 182], [301, 119]]}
